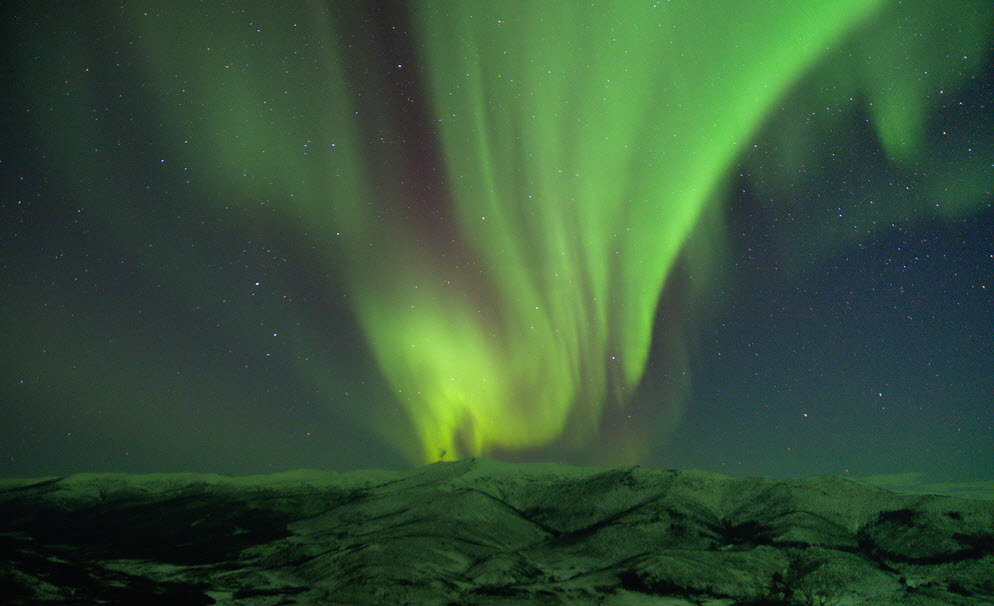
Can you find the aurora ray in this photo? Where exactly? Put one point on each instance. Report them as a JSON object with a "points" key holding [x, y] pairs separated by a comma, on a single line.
{"points": [[507, 279], [579, 146]]}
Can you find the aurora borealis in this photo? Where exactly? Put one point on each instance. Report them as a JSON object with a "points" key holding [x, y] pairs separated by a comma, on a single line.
{"points": [[339, 235]]}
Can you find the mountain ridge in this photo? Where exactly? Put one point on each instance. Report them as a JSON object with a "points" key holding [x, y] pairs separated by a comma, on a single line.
{"points": [[483, 532]]}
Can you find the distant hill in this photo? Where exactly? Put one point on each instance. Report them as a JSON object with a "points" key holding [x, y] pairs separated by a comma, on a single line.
{"points": [[482, 532]]}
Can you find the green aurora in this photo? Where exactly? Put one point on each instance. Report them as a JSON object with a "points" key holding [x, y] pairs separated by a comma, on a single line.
{"points": [[581, 146], [509, 298]]}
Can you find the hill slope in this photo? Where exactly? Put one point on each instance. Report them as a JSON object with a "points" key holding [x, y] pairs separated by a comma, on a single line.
{"points": [[481, 532]]}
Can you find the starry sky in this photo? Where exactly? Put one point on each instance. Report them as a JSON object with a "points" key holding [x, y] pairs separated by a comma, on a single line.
{"points": [[245, 238]]}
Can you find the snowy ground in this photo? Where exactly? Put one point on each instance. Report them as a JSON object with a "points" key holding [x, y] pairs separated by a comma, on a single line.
{"points": [[481, 532]]}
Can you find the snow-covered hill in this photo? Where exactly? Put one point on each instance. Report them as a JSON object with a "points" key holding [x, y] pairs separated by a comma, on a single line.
{"points": [[481, 532]]}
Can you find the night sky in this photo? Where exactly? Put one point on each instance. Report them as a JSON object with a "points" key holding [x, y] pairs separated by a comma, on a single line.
{"points": [[248, 237]]}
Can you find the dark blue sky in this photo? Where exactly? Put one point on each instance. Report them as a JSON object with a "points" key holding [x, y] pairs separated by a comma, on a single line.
{"points": [[146, 327]]}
